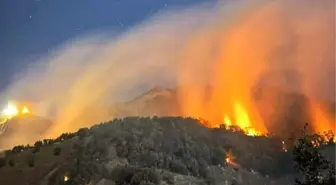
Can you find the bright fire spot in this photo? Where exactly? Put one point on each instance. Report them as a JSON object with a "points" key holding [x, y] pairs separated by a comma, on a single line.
{"points": [[25, 110], [229, 158], [13, 110], [242, 120], [66, 178], [10, 111]]}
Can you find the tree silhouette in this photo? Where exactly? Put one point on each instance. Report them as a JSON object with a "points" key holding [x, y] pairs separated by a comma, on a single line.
{"points": [[313, 168]]}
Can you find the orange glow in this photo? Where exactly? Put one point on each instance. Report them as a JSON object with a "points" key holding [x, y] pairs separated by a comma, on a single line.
{"points": [[321, 122], [229, 158], [25, 110]]}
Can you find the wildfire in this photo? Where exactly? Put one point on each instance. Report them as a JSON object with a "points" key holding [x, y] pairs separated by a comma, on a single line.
{"points": [[12, 110], [242, 120]]}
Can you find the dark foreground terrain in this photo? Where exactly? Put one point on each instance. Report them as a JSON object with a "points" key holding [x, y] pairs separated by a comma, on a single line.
{"points": [[167, 150], [148, 151]]}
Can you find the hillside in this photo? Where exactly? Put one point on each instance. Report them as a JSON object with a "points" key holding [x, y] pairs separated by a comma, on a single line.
{"points": [[168, 150], [23, 129]]}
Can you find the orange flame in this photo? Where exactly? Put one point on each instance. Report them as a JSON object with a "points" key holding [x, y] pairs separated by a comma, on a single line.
{"points": [[242, 120]]}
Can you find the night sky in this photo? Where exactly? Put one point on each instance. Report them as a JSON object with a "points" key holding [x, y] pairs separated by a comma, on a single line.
{"points": [[31, 28]]}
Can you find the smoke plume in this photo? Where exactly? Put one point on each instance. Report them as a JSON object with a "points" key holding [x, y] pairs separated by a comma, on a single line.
{"points": [[236, 47]]}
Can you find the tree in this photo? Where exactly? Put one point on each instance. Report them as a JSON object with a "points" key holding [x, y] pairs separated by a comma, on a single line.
{"points": [[313, 168], [18, 149], [38, 144], [83, 132]]}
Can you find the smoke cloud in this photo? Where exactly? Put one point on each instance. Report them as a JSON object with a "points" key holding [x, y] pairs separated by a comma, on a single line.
{"points": [[236, 47]]}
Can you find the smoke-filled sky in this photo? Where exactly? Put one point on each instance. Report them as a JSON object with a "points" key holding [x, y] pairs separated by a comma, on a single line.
{"points": [[81, 60], [31, 28]]}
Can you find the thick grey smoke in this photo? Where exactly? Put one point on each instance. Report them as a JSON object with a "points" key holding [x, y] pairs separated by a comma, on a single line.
{"points": [[75, 83]]}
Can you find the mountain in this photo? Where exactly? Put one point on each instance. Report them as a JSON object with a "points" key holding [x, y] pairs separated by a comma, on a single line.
{"points": [[157, 101]]}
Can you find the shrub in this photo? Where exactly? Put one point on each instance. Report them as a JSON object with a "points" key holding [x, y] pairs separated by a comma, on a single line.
{"points": [[57, 151]]}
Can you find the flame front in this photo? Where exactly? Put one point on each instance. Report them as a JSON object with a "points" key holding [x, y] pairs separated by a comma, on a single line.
{"points": [[242, 120]]}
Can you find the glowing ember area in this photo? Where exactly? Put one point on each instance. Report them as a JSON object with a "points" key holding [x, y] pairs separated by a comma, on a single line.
{"points": [[12, 110], [229, 158], [66, 178], [284, 147]]}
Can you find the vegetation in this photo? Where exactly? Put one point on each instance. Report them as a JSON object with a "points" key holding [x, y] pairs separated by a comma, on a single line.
{"points": [[313, 168], [138, 150]]}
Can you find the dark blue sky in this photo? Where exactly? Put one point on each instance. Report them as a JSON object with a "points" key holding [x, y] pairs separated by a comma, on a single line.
{"points": [[29, 28]]}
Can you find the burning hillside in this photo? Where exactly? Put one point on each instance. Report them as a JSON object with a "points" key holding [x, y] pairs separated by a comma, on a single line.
{"points": [[19, 126], [166, 103], [231, 64]]}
